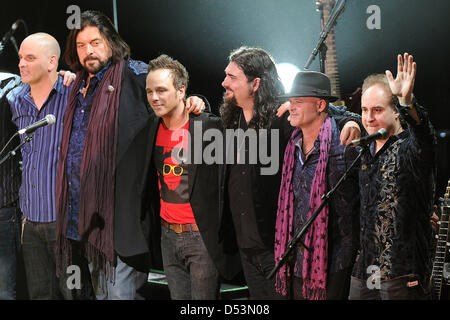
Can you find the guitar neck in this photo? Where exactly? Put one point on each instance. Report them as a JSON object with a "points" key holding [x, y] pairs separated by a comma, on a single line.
{"points": [[441, 245], [331, 65]]}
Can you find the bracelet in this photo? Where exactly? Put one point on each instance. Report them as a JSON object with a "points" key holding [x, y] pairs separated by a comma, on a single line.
{"points": [[409, 106]]}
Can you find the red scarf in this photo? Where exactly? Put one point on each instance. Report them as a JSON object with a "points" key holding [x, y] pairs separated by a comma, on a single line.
{"points": [[315, 260], [97, 175]]}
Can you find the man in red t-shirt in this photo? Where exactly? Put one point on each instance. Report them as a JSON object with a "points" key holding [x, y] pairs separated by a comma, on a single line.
{"points": [[192, 253]]}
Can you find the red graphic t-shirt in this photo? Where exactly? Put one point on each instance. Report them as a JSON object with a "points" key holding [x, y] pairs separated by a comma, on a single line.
{"points": [[170, 151]]}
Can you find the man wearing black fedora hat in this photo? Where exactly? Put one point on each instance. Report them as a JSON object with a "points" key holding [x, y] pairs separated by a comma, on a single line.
{"points": [[249, 198], [313, 162]]}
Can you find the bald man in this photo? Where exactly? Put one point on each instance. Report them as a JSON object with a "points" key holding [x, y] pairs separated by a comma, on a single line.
{"points": [[42, 93]]}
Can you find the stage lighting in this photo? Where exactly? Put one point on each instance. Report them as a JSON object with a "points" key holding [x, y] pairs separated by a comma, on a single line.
{"points": [[287, 72]]}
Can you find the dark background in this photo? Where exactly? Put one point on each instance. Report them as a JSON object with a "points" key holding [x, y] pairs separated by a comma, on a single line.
{"points": [[201, 34]]}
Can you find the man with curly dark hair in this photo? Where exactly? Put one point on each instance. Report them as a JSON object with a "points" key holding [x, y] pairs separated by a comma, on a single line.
{"points": [[249, 194]]}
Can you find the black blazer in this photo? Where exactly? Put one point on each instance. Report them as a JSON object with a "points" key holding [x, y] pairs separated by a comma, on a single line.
{"points": [[204, 199], [131, 226]]}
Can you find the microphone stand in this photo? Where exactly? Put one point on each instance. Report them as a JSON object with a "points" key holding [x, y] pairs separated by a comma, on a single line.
{"points": [[320, 46], [9, 36], [14, 42], [299, 234], [12, 153]]}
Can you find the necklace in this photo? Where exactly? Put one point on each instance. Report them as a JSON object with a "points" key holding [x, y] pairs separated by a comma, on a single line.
{"points": [[308, 152]]}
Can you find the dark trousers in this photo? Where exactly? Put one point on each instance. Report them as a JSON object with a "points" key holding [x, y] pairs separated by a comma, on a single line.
{"points": [[338, 285], [77, 282], [407, 287], [257, 265], [38, 248]]}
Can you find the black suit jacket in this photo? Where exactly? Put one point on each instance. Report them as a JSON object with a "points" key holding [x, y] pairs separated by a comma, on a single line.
{"points": [[133, 230], [204, 199], [131, 226]]}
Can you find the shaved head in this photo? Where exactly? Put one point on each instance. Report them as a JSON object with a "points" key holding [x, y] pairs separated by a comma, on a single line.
{"points": [[45, 42], [39, 55]]}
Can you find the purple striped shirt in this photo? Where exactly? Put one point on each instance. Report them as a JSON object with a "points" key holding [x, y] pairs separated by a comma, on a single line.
{"points": [[40, 156]]}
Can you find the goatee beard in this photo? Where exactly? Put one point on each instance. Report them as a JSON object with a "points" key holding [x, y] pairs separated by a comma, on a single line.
{"points": [[229, 101], [94, 69], [229, 111]]}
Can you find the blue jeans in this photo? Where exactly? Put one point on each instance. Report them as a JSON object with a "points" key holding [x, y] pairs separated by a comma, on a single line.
{"points": [[38, 248], [126, 285], [189, 269], [127, 279], [407, 287], [10, 226]]}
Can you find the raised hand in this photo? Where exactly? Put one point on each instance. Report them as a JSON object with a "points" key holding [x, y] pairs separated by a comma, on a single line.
{"points": [[402, 86]]}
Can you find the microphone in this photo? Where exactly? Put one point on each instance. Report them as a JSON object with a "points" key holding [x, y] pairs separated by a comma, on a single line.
{"points": [[8, 35], [381, 134], [14, 42], [47, 121]]}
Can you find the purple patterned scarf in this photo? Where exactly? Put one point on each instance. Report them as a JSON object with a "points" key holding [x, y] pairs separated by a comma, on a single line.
{"points": [[315, 260], [97, 175]]}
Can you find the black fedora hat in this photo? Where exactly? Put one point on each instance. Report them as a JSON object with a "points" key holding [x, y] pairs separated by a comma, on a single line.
{"points": [[311, 84]]}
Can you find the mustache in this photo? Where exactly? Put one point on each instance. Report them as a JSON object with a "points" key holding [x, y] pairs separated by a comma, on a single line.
{"points": [[90, 58]]}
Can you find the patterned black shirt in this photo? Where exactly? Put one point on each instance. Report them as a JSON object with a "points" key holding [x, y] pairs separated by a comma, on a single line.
{"points": [[397, 186]]}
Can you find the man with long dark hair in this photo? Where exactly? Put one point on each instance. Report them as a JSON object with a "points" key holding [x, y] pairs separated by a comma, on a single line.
{"points": [[99, 195], [252, 87]]}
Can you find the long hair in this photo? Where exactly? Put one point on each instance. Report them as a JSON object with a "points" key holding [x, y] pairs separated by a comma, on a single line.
{"points": [[120, 49], [255, 63]]}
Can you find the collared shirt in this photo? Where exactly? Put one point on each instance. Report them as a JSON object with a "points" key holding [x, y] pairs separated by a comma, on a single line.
{"points": [[75, 150], [9, 170], [40, 155], [343, 205], [397, 193]]}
